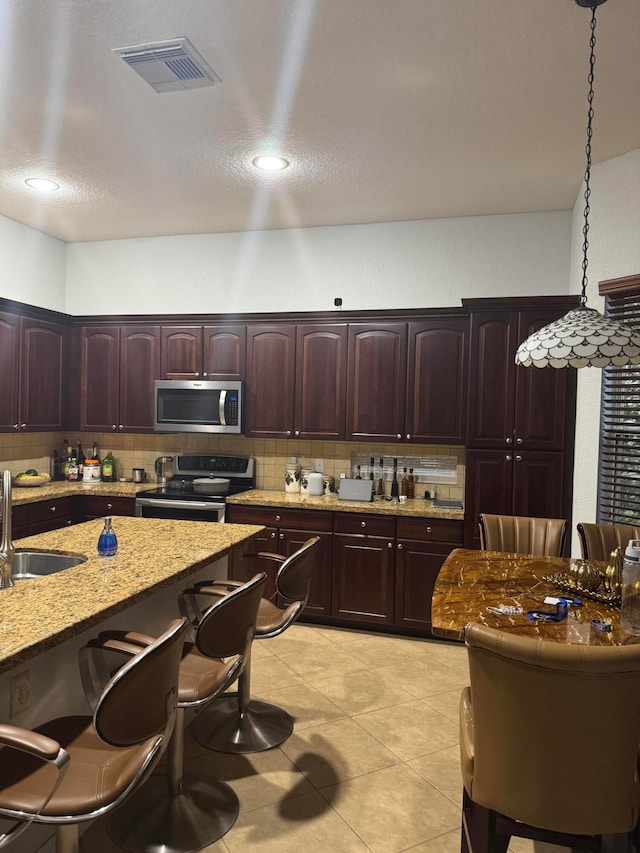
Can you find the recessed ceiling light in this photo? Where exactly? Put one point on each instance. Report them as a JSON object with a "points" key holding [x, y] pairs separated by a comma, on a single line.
{"points": [[42, 184], [270, 163]]}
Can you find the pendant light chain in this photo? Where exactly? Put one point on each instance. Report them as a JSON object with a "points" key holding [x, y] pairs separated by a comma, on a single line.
{"points": [[587, 171]]}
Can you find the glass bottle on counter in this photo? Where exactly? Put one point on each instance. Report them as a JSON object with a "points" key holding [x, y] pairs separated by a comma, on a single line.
{"points": [[94, 451], [108, 469], [404, 484], [411, 486], [380, 486], [107, 541], [80, 459]]}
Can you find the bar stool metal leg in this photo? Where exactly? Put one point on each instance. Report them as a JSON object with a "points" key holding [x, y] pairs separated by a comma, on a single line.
{"points": [[174, 814], [236, 723]]}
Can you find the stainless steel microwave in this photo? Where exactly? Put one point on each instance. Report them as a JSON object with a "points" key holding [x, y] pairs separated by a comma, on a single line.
{"points": [[198, 406]]}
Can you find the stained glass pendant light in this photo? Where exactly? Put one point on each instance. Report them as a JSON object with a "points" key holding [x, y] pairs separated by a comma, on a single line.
{"points": [[583, 337]]}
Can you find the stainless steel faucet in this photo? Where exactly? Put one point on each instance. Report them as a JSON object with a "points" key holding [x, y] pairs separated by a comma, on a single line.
{"points": [[6, 545]]}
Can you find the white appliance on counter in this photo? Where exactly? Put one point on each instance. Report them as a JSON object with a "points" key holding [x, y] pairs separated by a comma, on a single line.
{"points": [[178, 498]]}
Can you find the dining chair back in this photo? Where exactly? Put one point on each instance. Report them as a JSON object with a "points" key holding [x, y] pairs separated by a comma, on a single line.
{"points": [[597, 541], [520, 534]]}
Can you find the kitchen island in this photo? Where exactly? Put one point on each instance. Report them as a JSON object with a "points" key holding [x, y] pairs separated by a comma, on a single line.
{"points": [[153, 554]]}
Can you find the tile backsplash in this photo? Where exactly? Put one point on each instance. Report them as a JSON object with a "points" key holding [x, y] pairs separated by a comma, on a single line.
{"points": [[21, 451]]}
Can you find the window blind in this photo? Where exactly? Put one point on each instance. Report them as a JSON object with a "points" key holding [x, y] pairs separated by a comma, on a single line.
{"points": [[619, 457]]}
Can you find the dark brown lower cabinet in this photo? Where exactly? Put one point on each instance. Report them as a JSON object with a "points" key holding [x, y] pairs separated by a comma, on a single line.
{"points": [[421, 548], [285, 531], [96, 506], [20, 521], [50, 515], [363, 568], [527, 482]]}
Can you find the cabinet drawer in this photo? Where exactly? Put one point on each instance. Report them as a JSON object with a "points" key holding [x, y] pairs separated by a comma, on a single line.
{"points": [[20, 515], [98, 506], [426, 529], [371, 525], [44, 511], [300, 519]]}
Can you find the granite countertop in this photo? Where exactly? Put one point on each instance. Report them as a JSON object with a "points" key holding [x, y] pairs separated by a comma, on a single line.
{"points": [[63, 489], [416, 507], [38, 614]]}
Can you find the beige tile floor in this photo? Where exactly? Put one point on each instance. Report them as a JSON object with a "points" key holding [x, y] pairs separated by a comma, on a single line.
{"points": [[372, 764]]}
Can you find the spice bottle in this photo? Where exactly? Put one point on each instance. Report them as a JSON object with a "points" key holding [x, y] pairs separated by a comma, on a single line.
{"points": [[107, 541]]}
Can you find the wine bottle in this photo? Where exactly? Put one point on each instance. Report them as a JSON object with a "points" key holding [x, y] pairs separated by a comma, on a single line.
{"points": [[394, 482], [404, 484], [380, 488], [411, 486], [371, 467], [108, 468]]}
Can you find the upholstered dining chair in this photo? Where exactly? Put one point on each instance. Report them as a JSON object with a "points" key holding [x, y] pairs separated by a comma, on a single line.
{"points": [[520, 534], [549, 736], [597, 541], [235, 722], [181, 812], [110, 753]]}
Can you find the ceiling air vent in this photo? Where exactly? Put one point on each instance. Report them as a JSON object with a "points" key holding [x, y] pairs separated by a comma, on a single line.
{"points": [[169, 66]]}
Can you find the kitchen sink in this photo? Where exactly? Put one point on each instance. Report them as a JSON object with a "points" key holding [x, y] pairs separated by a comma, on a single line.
{"points": [[37, 564]]}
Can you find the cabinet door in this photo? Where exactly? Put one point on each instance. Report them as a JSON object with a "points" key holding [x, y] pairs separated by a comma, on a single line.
{"points": [[241, 569], [417, 567], [545, 397], [492, 378], [376, 382], [99, 378], [224, 352], [320, 384], [139, 368], [50, 515], [319, 602], [181, 352], [270, 381], [9, 375], [97, 506], [437, 381], [538, 484], [42, 351], [363, 579], [488, 488]]}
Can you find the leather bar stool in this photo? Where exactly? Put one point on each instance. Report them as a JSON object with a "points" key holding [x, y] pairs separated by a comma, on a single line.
{"points": [[178, 812], [519, 534], [597, 541], [236, 723], [110, 754], [549, 736]]}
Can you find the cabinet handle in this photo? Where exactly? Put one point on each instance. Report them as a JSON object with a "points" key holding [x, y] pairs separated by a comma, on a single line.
{"points": [[109, 506], [114, 426], [508, 458], [399, 436], [363, 524], [428, 530], [197, 373], [518, 458], [282, 536], [52, 509], [23, 426], [509, 441], [518, 441], [204, 373], [120, 427], [289, 432], [408, 437], [16, 426], [297, 432], [389, 544], [273, 535], [400, 546], [69, 523], [277, 518]]}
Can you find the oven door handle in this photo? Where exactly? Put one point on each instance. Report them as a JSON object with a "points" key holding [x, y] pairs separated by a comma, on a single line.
{"points": [[205, 505]]}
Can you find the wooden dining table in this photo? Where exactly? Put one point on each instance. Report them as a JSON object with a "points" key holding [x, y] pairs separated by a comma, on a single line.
{"points": [[470, 582]]}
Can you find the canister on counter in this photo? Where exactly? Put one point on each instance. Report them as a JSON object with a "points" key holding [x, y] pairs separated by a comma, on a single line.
{"points": [[292, 476]]}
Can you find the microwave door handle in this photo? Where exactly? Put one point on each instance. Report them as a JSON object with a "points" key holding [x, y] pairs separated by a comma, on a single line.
{"points": [[221, 407]]}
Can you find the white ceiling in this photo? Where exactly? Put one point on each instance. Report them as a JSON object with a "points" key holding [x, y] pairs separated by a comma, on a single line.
{"points": [[387, 109]]}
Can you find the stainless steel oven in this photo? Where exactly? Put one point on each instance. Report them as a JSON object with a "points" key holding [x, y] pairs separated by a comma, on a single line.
{"points": [[178, 498]]}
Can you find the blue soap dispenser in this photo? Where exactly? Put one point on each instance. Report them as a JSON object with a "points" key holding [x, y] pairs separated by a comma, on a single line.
{"points": [[107, 541]]}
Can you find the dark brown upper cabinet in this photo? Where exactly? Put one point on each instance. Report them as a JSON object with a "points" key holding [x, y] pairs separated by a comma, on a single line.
{"points": [[10, 373], [296, 381], [376, 381], [436, 409], [509, 405], [42, 347], [203, 352], [118, 369]]}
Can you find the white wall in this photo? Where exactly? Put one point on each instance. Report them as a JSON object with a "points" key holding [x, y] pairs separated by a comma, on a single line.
{"points": [[32, 266], [386, 265], [614, 252]]}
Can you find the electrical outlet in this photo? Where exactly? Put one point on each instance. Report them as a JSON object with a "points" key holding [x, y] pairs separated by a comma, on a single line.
{"points": [[20, 692], [320, 466]]}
